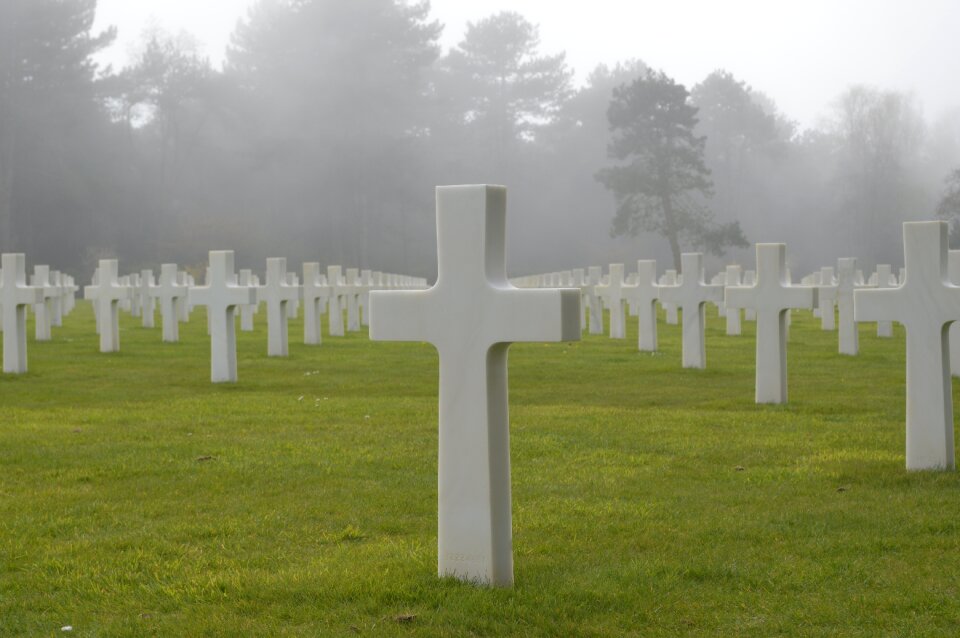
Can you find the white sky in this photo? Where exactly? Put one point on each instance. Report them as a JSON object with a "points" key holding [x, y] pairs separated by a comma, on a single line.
{"points": [[801, 53]]}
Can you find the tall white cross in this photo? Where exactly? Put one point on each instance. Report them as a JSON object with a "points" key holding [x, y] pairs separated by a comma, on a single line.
{"points": [[59, 303], [221, 295], [43, 311], [691, 296], [579, 280], [185, 280], [136, 307], [611, 293], [107, 295], [884, 277], [471, 316], [335, 305], [925, 304], [827, 298], [15, 296], [276, 293], [771, 297], [733, 277], [148, 305], [846, 283], [170, 292], [315, 295], [643, 296]]}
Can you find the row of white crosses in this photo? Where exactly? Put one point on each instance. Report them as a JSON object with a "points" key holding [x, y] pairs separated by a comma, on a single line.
{"points": [[51, 295], [473, 313], [224, 293]]}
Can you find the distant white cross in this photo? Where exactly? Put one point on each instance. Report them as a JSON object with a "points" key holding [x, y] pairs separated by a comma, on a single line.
{"points": [[733, 277], [611, 293], [884, 277], [925, 304], [148, 305], [43, 311], [107, 294], [221, 296], [595, 310], [247, 311], [827, 298], [691, 296], [335, 304], [669, 278], [315, 295], [171, 295], [15, 296], [846, 283], [771, 297], [352, 291], [471, 316], [643, 296], [276, 293]]}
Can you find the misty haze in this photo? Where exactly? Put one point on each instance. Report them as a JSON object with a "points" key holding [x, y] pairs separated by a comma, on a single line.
{"points": [[329, 123]]}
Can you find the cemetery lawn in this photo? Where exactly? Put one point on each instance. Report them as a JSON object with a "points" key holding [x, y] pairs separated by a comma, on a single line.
{"points": [[138, 499]]}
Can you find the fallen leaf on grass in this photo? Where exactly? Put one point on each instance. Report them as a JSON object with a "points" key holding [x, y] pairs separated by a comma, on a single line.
{"points": [[405, 618], [842, 488], [201, 459]]}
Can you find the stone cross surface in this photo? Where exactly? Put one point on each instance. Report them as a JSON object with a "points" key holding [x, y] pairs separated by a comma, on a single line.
{"points": [[846, 282], [644, 297], [221, 296], [15, 296], [315, 295], [827, 299], [276, 293], [925, 305], [471, 316], [884, 277], [334, 305], [170, 292], [43, 311], [690, 296], [732, 277], [771, 297], [611, 293], [147, 300], [107, 295], [594, 275]]}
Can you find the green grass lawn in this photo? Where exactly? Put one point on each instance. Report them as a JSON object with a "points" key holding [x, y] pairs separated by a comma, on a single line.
{"points": [[138, 499]]}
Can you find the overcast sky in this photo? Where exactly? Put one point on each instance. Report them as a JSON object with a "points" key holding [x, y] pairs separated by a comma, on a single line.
{"points": [[802, 53]]}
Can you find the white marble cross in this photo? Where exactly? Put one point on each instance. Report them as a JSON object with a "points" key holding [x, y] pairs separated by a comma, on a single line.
{"points": [[771, 297], [59, 303], [335, 304], [136, 307], [221, 295], [884, 279], [148, 305], [669, 278], [170, 292], [366, 285], [247, 311], [827, 299], [471, 316], [691, 296], [315, 295], [293, 306], [185, 280], [594, 308], [276, 293], [351, 291], [15, 296], [611, 293], [925, 304], [107, 294], [43, 311], [733, 277], [643, 296], [846, 283], [749, 279]]}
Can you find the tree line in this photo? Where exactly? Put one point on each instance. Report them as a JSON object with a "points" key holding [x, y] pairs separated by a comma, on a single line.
{"points": [[331, 121]]}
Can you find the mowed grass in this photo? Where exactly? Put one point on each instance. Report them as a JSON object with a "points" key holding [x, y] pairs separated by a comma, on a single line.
{"points": [[138, 499]]}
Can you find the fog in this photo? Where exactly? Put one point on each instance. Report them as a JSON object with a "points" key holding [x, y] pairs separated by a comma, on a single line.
{"points": [[318, 129]]}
